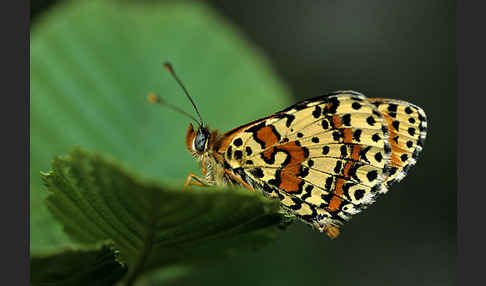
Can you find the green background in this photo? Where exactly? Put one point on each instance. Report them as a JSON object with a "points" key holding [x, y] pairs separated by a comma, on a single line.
{"points": [[396, 49]]}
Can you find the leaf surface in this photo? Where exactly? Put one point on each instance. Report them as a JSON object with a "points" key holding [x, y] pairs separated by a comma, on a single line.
{"points": [[152, 225]]}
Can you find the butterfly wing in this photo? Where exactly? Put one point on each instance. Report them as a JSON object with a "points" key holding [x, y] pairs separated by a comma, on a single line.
{"points": [[326, 158], [407, 125]]}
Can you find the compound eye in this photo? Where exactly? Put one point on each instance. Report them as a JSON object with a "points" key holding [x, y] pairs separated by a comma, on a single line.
{"points": [[200, 141]]}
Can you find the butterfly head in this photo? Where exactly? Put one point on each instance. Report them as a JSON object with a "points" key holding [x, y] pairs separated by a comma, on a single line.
{"points": [[197, 141]]}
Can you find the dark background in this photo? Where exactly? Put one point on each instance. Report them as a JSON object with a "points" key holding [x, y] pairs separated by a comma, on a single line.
{"points": [[396, 49]]}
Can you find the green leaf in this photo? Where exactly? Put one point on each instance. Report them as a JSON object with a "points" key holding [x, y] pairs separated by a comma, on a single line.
{"points": [[93, 62], [96, 266], [152, 225]]}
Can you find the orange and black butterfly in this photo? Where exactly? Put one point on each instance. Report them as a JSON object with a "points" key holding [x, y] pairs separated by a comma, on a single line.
{"points": [[326, 159]]}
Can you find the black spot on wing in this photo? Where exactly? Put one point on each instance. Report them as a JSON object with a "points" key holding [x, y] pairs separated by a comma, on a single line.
{"points": [[362, 154], [317, 111], [238, 142], [372, 175], [392, 107], [378, 157], [325, 124], [421, 117], [303, 171], [359, 194], [392, 171], [328, 184], [356, 105], [337, 168], [376, 137], [336, 135], [344, 151], [409, 144], [258, 173], [333, 105], [325, 150], [229, 152], [404, 157], [357, 135], [371, 121], [238, 155], [277, 179], [310, 163], [346, 119], [289, 118]]}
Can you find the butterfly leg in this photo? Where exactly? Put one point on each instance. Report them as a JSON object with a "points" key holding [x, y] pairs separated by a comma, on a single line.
{"points": [[193, 179], [239, 180]]}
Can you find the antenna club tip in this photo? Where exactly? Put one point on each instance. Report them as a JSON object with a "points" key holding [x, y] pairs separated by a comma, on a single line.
{"points": [[153, 98], [168, 66]]}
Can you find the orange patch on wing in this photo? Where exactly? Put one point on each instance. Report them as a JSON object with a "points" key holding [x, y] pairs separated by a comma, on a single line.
{"points": [[336, 120], [355, 152], [268, 153], [397, 150], [347, 167], [267, 135], [225, 141], [348, 135], [288, 176], [355, 156], [336, 200], [290, 182]]}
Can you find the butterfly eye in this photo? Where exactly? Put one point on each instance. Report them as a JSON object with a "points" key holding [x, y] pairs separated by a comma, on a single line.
{"points": [[200, 140]]}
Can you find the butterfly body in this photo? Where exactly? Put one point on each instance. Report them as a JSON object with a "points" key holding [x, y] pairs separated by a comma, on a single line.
{"points": [[325, 159]]}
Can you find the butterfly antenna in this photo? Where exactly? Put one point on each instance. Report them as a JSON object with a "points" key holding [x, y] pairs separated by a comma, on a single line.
{"points": [[168, 67], [153, 98]]}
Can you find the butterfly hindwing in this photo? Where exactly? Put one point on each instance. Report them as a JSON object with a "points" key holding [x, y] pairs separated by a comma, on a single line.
{"points": [[407, 125]]}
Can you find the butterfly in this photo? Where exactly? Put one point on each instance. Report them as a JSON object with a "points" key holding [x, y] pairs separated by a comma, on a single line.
{"points": [[325, 159]]}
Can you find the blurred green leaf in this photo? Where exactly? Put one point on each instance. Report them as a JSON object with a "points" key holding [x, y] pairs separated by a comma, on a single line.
{"points": [[152, 225], [96, 266], [93, 62]]}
